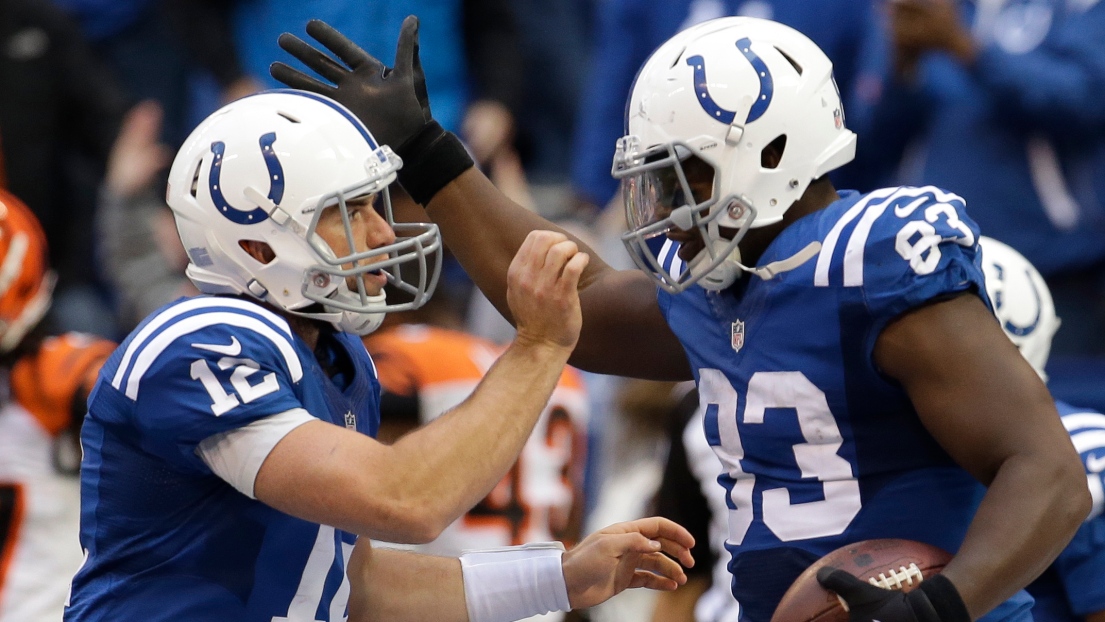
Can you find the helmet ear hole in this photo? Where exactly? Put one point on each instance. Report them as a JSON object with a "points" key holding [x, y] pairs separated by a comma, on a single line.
{"points": [[261, 251], [772, 154]]}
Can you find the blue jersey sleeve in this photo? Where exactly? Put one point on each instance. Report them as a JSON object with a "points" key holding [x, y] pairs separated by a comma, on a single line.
{"points": [[921, 246], [207, 374], [1081, 565]]}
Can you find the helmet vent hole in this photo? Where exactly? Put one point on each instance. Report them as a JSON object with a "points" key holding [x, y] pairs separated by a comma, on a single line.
{"points": [[772, 154], [790, 60], [678, 57], [196, 179], [295, 120]]}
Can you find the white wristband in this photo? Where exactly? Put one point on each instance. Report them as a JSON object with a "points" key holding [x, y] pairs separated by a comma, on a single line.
{"points": [[515, 582]]}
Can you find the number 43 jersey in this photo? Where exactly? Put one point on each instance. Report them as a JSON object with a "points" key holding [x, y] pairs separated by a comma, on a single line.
{"points": [[164, 537], [819, 448]]}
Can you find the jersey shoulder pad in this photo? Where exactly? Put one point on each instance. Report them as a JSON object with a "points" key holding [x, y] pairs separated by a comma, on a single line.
{"points": [[202, 367], [905, 243], [51, 381], [214, 329]]}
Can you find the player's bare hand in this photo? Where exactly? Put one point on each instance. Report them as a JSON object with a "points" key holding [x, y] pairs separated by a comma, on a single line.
{"points": [[627, 555], [137, 154], [541, 289]]}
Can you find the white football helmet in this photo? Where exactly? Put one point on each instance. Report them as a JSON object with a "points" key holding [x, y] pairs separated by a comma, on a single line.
{"points": [[1022, 301], [722, 91], [265, 168]]}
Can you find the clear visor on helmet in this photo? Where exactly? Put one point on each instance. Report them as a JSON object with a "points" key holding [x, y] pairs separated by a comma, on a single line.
{"points": [[672, 199], [659, 181], [354, 281]]}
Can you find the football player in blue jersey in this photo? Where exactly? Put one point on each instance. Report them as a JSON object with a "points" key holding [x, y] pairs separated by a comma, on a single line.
{"points": [[855, 381], [228, 461], [1072, 589]]}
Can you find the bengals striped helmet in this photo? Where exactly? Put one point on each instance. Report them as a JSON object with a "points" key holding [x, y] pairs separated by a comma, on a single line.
{"points": [[26, 282]]}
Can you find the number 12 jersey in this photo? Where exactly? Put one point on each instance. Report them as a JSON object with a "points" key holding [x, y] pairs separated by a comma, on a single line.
{"points": [[164, 537]]}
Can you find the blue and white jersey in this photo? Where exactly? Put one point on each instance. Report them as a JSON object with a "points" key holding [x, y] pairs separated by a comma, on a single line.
{"points": [[819, 448], [1074, 586], [164, 537]]}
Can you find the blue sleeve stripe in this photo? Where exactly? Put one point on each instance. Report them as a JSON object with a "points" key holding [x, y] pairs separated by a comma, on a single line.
{"points": [[164, 339], [175, 311]]}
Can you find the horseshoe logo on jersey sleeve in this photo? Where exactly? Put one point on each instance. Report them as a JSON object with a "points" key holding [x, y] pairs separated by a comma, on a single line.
{"points": [[702, 90], [276, 182]]}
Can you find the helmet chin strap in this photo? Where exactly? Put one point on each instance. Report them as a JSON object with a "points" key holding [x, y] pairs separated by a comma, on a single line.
{"points": [[786, 265], [729, 270], [359, 322]]}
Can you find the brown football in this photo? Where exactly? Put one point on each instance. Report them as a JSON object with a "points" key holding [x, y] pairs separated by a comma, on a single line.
{"points": [[895, 564]]}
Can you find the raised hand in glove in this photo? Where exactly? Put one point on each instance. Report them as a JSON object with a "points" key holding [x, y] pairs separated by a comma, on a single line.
{"points": [[935, 600], [391, 102]]}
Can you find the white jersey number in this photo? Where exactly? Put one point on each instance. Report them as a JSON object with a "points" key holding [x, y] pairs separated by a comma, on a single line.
{"points": [[923, 253], [221, 401], [816, 457]]}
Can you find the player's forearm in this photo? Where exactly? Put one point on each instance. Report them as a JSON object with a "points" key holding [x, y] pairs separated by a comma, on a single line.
{"points": [[484, 229], [473, 446], [395, 586], [1032, 508]]}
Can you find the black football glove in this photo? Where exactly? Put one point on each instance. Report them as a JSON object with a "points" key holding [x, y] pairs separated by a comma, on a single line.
{"points": [[935, 600], [391, 102]]}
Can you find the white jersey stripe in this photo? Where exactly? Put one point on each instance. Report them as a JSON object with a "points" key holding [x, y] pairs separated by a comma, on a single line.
{"points": [[875, 205], [676, 270], [857, 242], [853, 253], [157, 345], [1090, 439], [1077, 421], [665, 250], [175, 311], [828, 247]]}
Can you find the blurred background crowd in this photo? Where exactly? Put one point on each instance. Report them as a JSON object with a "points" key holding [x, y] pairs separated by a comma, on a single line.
{"points": [[999, 101]]}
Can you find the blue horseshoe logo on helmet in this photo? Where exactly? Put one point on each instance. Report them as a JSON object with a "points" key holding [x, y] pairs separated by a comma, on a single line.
{"points": [[763, 99], [1009, 326], [276, 182], [1021, 331]]}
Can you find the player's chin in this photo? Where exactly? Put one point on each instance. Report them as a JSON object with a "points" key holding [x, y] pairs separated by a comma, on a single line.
{"points": [[689, 250]]}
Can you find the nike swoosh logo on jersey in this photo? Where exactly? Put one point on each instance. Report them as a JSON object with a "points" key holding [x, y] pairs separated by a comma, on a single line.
{"points": [[1095, 464], [232, 349]]}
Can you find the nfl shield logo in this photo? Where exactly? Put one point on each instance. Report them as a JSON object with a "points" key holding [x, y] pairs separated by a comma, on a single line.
{"points": [[737, 336], [351, 420]]}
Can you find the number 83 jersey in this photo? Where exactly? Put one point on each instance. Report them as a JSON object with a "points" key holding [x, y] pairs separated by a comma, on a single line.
{"points": [[819, 448], [164, 537]]}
